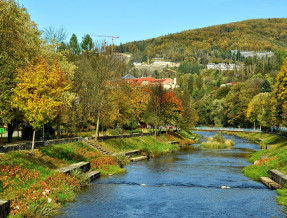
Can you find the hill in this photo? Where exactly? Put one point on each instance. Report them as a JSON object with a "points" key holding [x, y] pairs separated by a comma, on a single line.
{"points": [[256, 35]]}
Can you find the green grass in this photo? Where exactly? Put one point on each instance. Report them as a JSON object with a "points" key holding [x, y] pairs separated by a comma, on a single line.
{"points": [[150, 145]]}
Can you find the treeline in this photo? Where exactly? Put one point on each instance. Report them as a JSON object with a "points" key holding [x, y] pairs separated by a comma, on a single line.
{"points": [[73, 87], [250, 96], [210, 43]]}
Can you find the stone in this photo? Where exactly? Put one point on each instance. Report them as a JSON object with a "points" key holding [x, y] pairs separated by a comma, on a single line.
{"points": [[83, 166], [94, 175], [4, 208], [139, 158]]}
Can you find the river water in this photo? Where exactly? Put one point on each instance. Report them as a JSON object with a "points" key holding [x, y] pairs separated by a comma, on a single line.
{"points": [[184, 184]]}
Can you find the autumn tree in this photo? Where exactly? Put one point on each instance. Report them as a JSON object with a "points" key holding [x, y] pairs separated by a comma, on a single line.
{"points": [[19, 43], [92, 83], [279, 100], [259, 110], [163, 107], [39, 93], [188, 118]]}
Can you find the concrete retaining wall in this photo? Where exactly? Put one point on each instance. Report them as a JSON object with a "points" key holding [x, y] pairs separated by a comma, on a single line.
{"points": [[83, 166], [278, 177], [4, 208]]}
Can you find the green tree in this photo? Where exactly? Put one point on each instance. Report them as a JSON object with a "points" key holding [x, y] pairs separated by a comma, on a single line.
{"points": [[217, 111], [87, 43], [266, 87], [74, 45], [188, 118]]}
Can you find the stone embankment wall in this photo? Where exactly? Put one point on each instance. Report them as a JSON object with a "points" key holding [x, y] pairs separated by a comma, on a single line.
{"points": [[278, 177], [28, 145]]}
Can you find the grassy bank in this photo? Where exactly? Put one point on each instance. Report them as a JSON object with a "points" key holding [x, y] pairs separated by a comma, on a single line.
{"points": [[151, 146], [275, 157], [33, 186]]}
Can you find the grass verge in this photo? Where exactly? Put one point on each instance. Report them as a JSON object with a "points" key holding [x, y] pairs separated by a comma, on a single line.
{"points": [[275, 157]]}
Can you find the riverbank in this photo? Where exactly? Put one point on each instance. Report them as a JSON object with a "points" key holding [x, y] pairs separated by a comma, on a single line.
{"points": [[272, 156], [151, 146], [32, 184]]}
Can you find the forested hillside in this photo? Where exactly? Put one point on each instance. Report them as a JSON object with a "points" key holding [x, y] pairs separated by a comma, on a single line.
{"points": [[256, 35]]}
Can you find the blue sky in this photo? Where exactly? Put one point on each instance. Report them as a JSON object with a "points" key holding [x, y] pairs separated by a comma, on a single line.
{"points": [[133, 20]]}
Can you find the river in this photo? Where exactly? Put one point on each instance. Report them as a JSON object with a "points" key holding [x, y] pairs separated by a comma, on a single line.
{"points": [[184, 184]]}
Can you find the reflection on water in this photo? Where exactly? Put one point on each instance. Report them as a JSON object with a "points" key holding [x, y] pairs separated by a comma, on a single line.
{"points": [[185, 184]]}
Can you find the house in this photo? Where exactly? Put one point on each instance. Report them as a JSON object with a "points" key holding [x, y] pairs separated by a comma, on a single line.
{"points": [[167, 83]]}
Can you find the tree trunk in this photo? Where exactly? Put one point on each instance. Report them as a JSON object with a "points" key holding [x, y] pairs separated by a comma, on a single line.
{"points": [[97, 127], [33, 141], [11, 128], [155, 128]]}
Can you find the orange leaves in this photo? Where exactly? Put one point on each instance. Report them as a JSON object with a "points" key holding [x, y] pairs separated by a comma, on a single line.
{"points": [[40, 191], [102, 162]]}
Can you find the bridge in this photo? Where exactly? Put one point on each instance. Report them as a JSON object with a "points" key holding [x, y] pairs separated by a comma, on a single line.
{"points": [[227, 129]]}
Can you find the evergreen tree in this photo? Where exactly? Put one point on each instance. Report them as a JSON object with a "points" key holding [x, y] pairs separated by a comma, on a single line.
{"points": [[74, 45], [87, 43], [266, 87]]}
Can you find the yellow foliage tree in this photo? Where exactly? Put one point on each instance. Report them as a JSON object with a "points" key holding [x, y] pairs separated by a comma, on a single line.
{"points": [[39, 93]]}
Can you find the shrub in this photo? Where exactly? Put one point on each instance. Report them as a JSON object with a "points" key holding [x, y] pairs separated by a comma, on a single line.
{"points": [[39, 210], [121, 159], [82, 178], [218, 141]]}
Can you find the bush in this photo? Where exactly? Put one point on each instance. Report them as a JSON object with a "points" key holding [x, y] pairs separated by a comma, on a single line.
{"points": [[37, 209], [83, 178], [121, 159], [218, 141], [114, 132], [219, 138]]}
